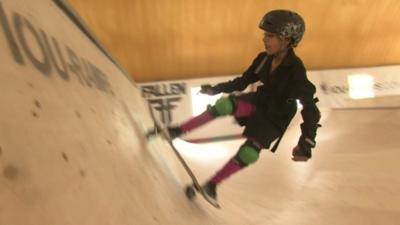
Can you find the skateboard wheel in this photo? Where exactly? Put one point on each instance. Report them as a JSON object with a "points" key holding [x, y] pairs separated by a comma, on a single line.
{"points": [[190, 192]]}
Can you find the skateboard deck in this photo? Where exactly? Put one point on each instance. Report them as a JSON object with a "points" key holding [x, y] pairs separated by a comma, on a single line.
{"points": [[191, 189]]}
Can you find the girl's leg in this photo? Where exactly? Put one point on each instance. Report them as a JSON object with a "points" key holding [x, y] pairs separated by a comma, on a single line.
{"points": [[197, 121], [243, 109], [224, 106], [248, 153]]}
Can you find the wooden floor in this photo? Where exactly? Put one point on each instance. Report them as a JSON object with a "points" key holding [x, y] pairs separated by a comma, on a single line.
{"points": [[351, 179]]}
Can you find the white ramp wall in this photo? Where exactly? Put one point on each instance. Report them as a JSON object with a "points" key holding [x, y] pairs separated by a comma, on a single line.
{"points": [[71, 132]]}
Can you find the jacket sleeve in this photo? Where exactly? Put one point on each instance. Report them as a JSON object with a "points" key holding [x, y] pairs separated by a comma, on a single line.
{"points": [[248, 77], [304, 91]]}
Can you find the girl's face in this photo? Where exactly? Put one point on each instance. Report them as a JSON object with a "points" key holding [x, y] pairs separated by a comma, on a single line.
{"points": [[274, 44]]}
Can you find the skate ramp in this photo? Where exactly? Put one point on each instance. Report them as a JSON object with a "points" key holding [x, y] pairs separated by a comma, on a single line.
{"points": [[71, 132], [72, 147]]}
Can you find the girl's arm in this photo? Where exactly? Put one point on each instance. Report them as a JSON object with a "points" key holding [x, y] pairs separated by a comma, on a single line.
{"points": [[304, 90], [248, 77]]}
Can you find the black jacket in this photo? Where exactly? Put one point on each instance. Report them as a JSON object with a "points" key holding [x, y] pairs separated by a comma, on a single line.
{"points": [[275, 98]]}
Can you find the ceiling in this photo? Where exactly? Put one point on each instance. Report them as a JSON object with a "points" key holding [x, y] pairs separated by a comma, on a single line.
{"points": [[182, 39]]}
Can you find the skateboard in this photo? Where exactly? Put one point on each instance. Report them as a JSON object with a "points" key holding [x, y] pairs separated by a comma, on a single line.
{"points": [[191, 189]]}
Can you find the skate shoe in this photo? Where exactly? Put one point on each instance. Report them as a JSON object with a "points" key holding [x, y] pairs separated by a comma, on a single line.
{"points": [[210, 190], [174, 132]]}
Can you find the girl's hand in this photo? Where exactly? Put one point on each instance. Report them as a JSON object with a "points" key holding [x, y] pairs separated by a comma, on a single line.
{"points": [[207, 89]]}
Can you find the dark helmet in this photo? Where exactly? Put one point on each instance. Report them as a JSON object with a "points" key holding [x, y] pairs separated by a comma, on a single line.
{"points": [[285, 23]]}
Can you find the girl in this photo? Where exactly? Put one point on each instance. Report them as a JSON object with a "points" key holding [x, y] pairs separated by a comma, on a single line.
{"points": [[266, 113]]}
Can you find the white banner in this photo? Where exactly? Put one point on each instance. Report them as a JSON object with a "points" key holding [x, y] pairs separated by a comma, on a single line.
{"points": [[175, 102], [358, 88]]}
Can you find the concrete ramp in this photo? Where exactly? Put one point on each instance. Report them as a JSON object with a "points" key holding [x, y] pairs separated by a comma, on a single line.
{"points": [[71, 131], [72, 148]]}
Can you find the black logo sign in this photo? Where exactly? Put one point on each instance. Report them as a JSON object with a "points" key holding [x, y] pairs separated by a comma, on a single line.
{"points": [[165, 107], [163, 98], [53, 57]]}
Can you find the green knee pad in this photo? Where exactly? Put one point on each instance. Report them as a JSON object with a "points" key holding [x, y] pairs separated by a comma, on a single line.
{"points": [[223, 107], [248, 154]]}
